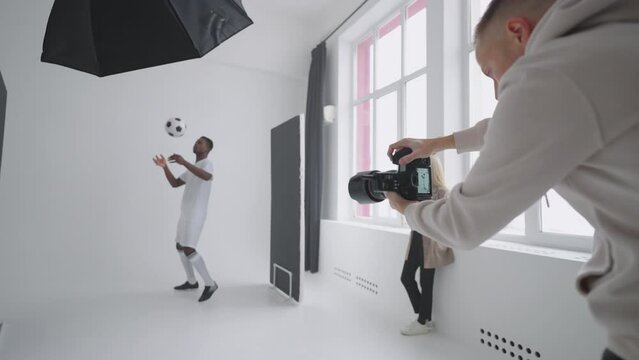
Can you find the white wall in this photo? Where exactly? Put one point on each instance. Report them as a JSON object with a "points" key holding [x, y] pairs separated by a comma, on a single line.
{"points": [[83, 210], [525, 298]]}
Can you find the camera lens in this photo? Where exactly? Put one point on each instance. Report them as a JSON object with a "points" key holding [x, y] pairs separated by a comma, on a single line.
{"points": [[360, 188]]}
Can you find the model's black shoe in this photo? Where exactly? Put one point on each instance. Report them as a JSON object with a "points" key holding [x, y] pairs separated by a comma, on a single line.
{"points": [[187, 286], [208, 292]]}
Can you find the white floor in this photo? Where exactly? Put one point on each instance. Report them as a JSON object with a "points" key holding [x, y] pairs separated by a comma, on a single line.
{"points": [[241, 321]]}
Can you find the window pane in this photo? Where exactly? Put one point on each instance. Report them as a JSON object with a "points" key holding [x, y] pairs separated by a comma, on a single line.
{"points": [[363, 146], [416, 108], [385, 129], [561, 218], [364, 68], [415, 43], [481, 96], [482, 92], [385, 134], [516, 227], [482, 104], [389, 47]]}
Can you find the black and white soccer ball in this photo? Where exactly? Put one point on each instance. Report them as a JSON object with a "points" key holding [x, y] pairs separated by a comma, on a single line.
{"points": [[175, 127]]}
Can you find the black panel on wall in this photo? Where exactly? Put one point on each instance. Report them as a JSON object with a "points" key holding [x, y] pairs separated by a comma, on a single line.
{"points": [[3, 108], [286, 207]]}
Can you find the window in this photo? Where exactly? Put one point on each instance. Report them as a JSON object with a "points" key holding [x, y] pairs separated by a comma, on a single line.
{"points": [[561, 218], [389, 100], [482, 100], [557, 225]]}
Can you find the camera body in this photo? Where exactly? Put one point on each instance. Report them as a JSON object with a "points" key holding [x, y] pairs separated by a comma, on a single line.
{"points": [[412, 181]]}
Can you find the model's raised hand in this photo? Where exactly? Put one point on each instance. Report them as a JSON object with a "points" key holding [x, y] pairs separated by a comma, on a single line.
{"points": [[176, 158], [159, 160]]}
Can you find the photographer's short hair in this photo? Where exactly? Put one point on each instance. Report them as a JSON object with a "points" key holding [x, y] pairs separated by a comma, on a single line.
{"points": [[499, 10], [209, 142]]}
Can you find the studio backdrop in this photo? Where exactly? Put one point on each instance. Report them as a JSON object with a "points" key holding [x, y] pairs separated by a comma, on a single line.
{"points": [[287, 206]]}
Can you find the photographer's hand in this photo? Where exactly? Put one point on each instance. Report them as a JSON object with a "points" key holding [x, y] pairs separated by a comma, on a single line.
{"points": [[421, 147], [397, 202]]}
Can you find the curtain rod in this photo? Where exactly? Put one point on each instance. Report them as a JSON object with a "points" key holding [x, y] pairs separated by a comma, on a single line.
{"points": [[345, 20]]}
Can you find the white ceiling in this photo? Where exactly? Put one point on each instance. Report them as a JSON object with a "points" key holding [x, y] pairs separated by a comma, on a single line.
{"points": [[322, 15], [283, 34], [307, 9]]}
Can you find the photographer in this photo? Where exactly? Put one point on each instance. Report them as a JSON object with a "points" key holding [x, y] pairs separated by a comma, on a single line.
{"points": [[566, 77]]}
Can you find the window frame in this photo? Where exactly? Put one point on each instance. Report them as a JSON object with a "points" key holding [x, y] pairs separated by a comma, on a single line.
{"points": [[398, 86]]}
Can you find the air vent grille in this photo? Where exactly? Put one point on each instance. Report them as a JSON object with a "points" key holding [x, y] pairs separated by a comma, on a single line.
{"points": [[507, 347], [361, 282], [367, 285], [342, 274]]}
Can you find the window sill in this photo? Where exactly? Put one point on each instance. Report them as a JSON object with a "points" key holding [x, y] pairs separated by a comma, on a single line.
{"points": [[379, 227], [577, 256], [502, 245]]}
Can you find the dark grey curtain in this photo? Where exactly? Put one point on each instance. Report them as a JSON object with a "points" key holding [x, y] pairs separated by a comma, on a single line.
{"points": [[3, 106], [313, 177]]}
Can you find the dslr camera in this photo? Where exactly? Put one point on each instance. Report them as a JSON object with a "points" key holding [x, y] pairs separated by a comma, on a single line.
{"points": [[412, 181]]}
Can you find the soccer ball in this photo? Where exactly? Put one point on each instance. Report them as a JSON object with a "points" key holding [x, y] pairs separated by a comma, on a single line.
{"points": [[175, 127]]}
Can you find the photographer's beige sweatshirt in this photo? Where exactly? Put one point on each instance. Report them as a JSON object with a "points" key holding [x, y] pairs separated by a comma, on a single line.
{"points": [[568, 119]]}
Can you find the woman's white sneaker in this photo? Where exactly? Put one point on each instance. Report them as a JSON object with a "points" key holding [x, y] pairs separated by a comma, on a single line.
{"points": [[415, 328]]}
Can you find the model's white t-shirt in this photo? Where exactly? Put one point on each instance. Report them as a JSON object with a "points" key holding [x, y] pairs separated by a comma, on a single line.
{"points": [[195, 201]]}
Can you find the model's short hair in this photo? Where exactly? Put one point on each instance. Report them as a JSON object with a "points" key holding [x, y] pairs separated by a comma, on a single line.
{"points": [[209, 142], [502, 9]]}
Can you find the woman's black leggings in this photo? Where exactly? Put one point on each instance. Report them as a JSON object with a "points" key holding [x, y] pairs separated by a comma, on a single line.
{"points": [[422, 302]]}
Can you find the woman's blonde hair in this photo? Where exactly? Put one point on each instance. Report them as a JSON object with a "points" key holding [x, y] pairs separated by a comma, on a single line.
{"points": [[437, 172]]}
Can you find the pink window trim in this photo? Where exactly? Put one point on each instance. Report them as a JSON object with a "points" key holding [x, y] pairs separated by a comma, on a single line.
{"points": [[364, 210], [362, 126], [363, 146], [416, 7], [364, 67], [393, 24]]}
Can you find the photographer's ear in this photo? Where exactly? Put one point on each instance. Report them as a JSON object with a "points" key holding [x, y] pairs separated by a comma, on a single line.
{"points": [[518, 31]]}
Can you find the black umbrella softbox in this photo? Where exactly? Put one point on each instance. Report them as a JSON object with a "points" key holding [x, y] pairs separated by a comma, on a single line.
{"points": [[105, 37]]}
